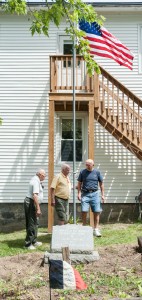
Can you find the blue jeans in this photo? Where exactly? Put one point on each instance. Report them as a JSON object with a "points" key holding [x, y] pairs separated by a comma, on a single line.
{"points": [[90, 200]]}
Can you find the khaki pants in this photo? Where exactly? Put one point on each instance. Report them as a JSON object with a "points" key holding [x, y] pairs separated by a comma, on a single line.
{"points": [[61, 207]]}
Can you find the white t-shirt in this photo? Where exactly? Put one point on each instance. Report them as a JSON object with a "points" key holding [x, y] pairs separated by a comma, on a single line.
{"points": [[35, 187]]}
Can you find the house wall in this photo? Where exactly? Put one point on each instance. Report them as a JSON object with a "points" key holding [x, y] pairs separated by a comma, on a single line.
{"points": [[121, 169], [125, 26], [24, 88]]}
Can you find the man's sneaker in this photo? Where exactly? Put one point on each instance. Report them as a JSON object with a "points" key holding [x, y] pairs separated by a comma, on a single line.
{"points": [[96, 232], [37, 244], [31, 247]]}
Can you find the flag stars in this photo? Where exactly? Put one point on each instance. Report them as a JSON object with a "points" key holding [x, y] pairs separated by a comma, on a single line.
{"points": [[92, 28]]}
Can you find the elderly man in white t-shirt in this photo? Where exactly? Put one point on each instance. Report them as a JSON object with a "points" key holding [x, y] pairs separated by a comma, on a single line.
{"points": [[32, 209]]}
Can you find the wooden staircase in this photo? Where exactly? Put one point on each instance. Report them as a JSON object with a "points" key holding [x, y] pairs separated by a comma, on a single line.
{"points": [[116, 108], [119, 111]]}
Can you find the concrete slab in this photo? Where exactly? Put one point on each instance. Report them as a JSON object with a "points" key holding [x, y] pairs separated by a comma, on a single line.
{"points": [[75, 258]]}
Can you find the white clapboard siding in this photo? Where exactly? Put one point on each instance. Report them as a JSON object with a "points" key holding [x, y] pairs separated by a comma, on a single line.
{"points": [[24, 88], [121, 170]]}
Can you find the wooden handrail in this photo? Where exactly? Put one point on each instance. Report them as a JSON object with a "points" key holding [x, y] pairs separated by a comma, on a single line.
{"points": [[121, 86], [123, 104], [61, 74], [111, 93]]}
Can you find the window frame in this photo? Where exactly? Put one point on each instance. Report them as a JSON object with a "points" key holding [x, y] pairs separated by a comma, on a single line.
{"points": [[60, 41], [66, 140], [68, 115]]}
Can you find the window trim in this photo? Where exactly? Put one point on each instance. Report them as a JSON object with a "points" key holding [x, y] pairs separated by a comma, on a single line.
{"points": [[66, 140], [67, 115], [140, 48], [60, 41]]}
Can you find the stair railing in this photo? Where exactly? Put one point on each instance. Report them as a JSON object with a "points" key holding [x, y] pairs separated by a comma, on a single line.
{"points": [[61, 73], [122, 105]]}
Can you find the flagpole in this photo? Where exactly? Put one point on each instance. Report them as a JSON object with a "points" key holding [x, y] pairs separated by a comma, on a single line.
{"points": [[74, 133], [49, 279]]}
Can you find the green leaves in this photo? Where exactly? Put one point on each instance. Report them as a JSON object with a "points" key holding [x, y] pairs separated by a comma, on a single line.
{"points": [[140, 290], [41, 19], [15, 6]]}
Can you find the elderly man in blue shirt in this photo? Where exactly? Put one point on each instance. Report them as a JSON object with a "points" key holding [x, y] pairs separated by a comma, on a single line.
{"points": [[89, 181]]}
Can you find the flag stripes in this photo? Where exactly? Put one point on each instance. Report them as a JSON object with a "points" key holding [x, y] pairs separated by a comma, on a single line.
{"points": [[103, 43]]}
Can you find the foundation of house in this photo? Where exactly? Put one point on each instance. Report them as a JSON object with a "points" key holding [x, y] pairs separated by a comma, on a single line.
{"points": [[12, 215]]}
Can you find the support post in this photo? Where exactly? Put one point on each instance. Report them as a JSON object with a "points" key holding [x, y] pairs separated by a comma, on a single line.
{"points": [[50, 164], [74, 132], [96, 89], [91, 141]]}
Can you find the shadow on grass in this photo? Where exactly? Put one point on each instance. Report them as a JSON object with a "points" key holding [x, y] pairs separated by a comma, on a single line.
{"points": [[19, 243], [45, 239]]}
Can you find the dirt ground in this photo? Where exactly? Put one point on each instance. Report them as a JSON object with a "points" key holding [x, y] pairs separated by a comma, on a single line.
{"points": [[29, 280]]}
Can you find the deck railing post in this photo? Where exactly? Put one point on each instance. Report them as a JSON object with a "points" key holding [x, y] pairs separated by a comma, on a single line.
{"points": [[52, 77], [96, 89]]}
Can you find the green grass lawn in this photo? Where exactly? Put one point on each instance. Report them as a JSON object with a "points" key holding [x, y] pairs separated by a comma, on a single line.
{"points": [[13, 243], [119, 234], [124, 282]]}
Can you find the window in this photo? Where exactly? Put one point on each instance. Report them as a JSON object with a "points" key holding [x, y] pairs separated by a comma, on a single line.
{"points": [[64, 137], [67, 140], [66, 48]]}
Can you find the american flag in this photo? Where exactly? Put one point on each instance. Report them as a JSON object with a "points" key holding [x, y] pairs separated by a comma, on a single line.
{"points": [[103, 43]]}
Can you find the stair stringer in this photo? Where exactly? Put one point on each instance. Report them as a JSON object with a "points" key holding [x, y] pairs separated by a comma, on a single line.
{"points": [[117, 133]]}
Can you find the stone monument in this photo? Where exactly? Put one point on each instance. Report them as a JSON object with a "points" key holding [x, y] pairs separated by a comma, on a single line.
{"points": [[79, 239]]}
